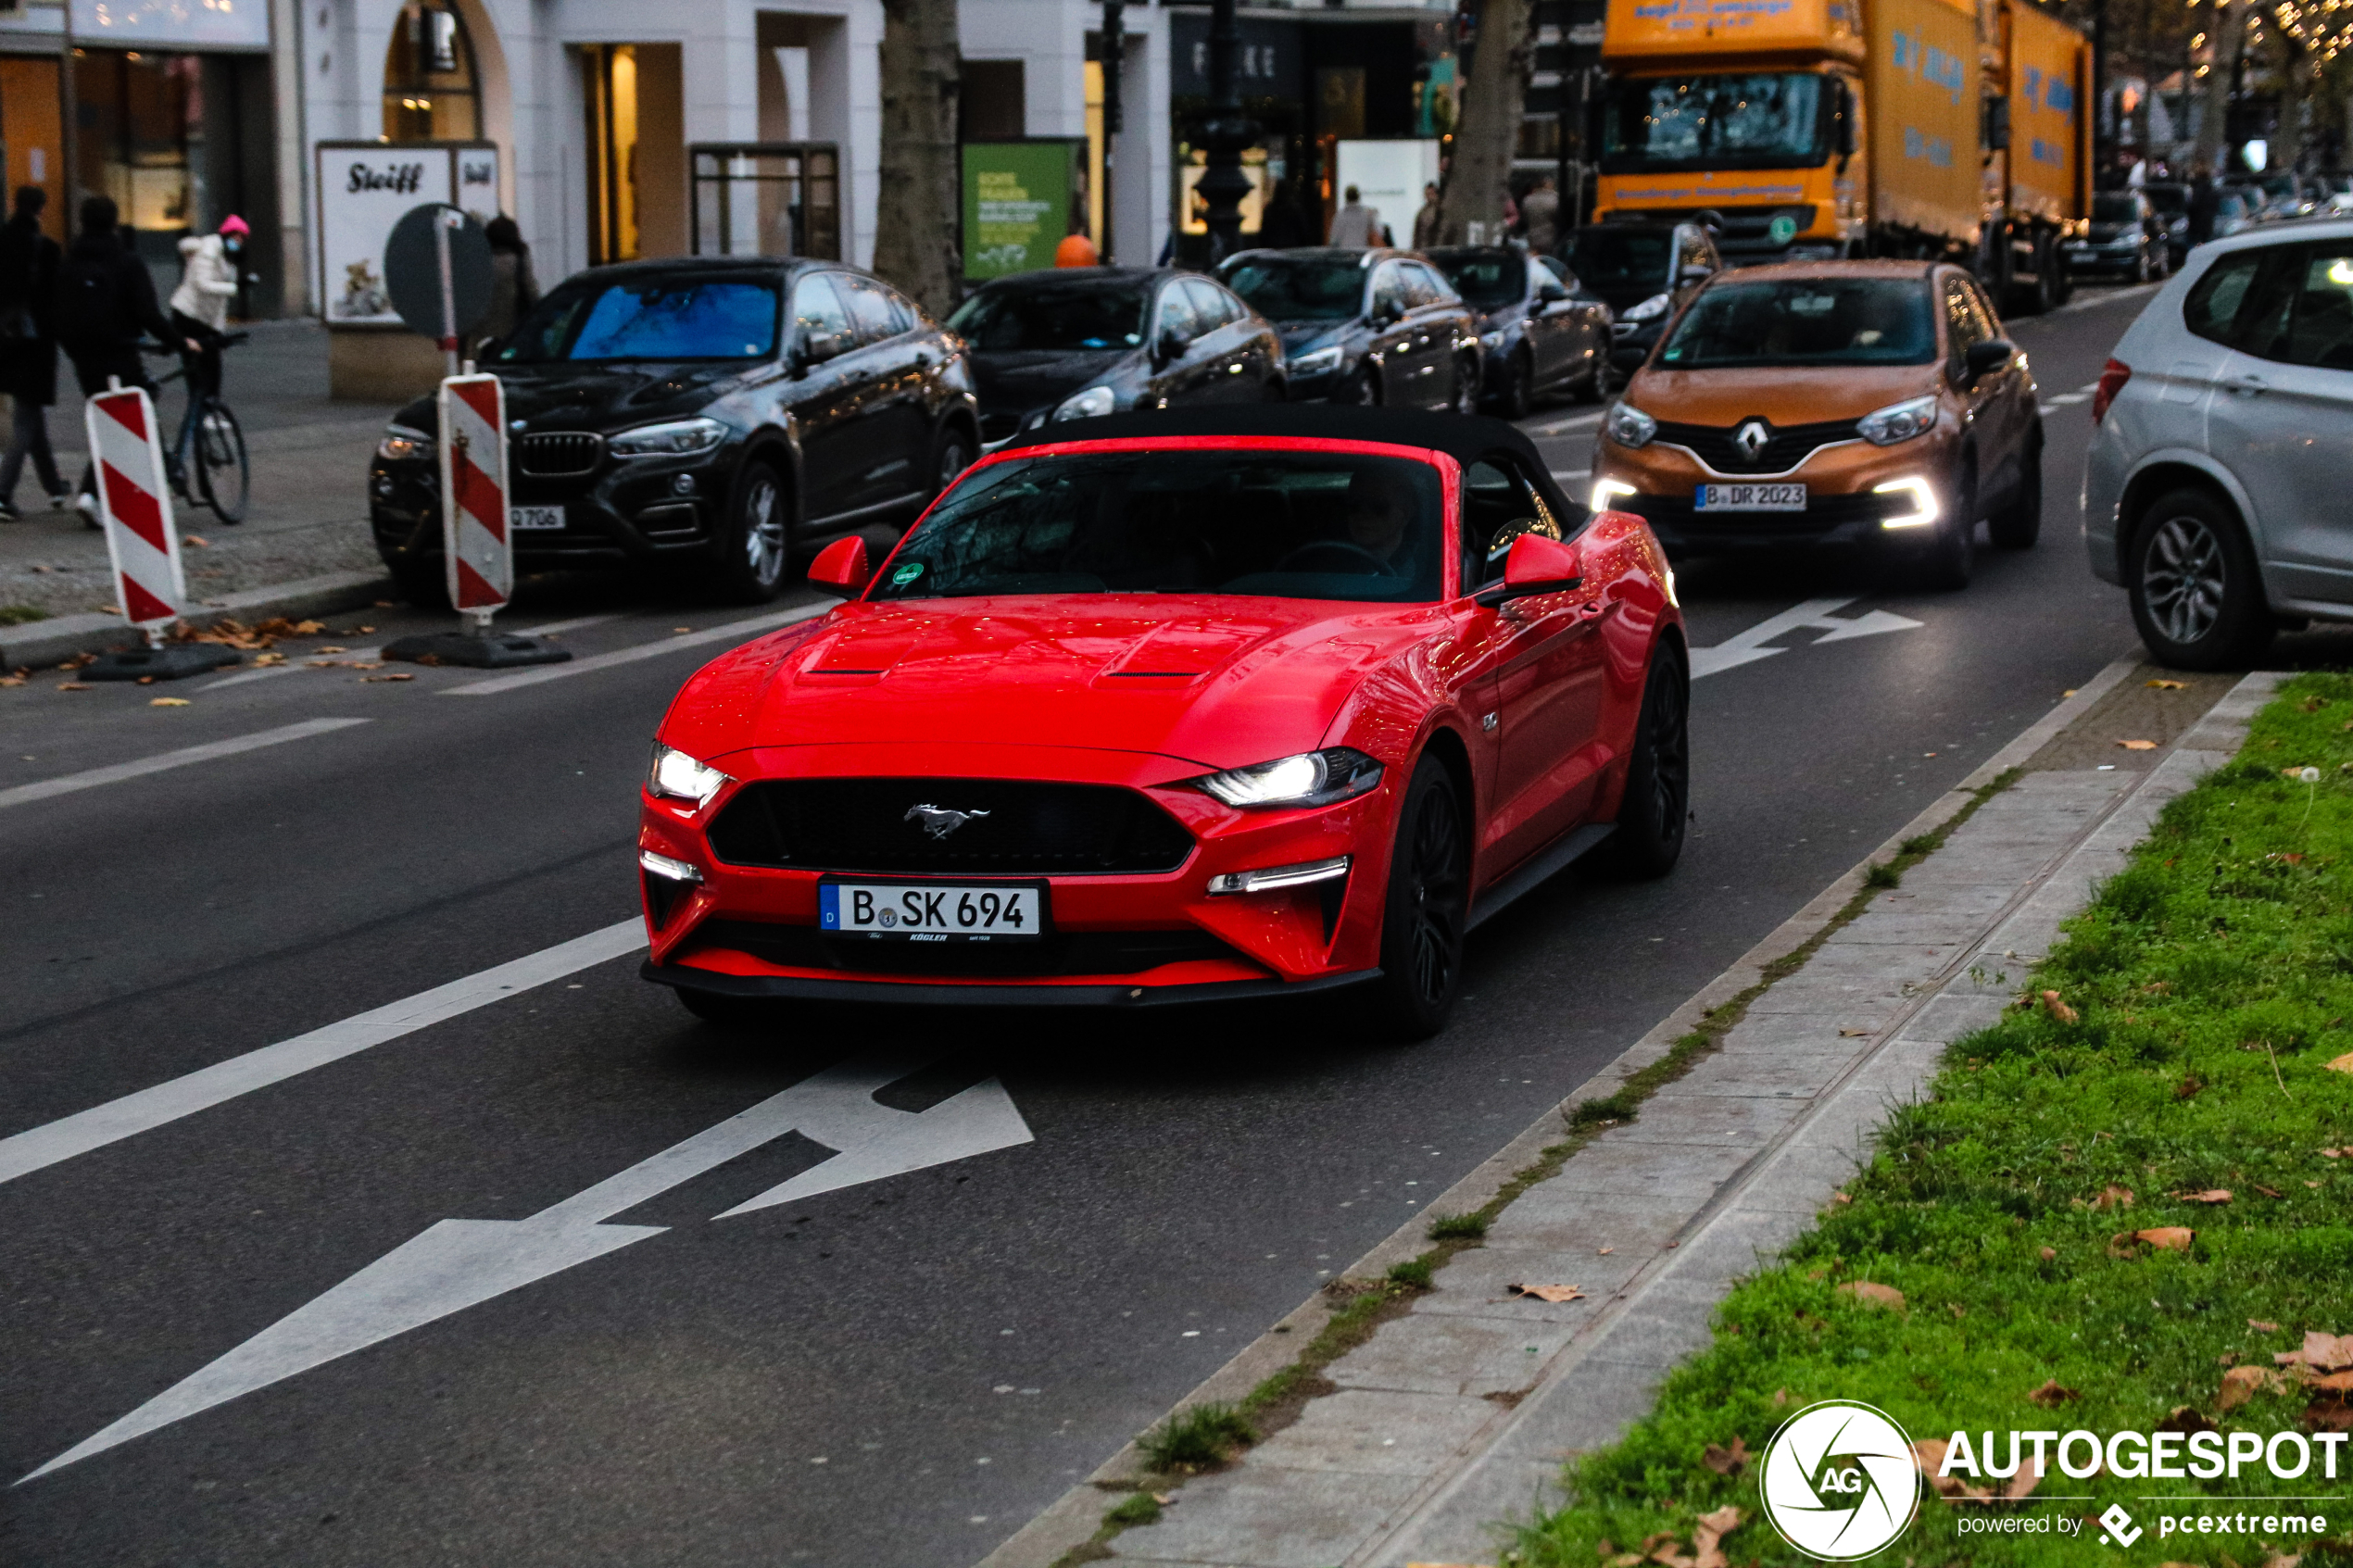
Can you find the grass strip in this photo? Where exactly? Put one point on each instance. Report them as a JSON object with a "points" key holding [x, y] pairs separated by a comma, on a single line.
{"points": [[1362, 1306], [2179, 1062], [21, 615]]}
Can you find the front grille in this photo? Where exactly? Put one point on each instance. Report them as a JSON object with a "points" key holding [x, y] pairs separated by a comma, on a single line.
{"points": [[563, 454], [1743, 231], [1071, 952], [1014, 827], [1785, 446]]}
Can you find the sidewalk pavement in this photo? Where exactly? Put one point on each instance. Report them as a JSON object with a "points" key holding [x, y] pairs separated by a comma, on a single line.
{"points": [[307, 521], [1453, 1419]]}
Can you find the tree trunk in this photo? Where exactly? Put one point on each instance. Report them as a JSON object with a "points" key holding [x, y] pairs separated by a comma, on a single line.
{"points": [[2230, 32], [917, 211], [1487, 132]]}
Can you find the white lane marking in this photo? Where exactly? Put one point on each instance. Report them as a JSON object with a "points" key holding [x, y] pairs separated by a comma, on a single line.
{"points": [[2094, 302], [460, 1263], [67, 782], [100, 1126], [1581, 422], [2065, 398], [1746, 648], [733, 631], [1568, 473], [357, 654]]}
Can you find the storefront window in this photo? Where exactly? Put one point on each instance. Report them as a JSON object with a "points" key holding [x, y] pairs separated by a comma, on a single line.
{"points": [[429, 89], [142, 116]]}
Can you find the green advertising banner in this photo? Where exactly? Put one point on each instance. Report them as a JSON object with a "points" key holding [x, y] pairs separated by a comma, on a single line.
{"points": [[1018, 200]]}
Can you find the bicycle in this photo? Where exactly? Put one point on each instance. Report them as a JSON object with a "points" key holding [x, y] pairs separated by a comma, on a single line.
{"points": [[209, 432]]}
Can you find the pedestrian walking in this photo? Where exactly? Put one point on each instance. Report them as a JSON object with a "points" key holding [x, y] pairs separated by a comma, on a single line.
{"points": [[200, 304], [2205, 202], [1540, 214], [514, 291], [29, 350], [1354, 226], [105, 302], [1284, 226], [1426, 221]]}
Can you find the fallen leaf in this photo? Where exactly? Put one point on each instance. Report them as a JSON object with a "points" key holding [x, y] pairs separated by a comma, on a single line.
{"points": [[2170, 1238], [1873, 1295], [2334, 1382], [1726, 1461], [2050, 1253], [2211, 1195], [1608, 1250], [2342, 1064], [2025, 1481], [330, 647], [674, 631], [2113, 1197], [1839, 1197], [1710, 1528], [2184, 1418], [199, 540], [2322, 1352], [1780, 1398], [1955, 1308], [392, 677], [2266, 1191], [1854, 1034], [72, 686], [2261, 1327], [266, 660], [2322, 1416], [1165, 1499], [2241, 1384], [166, 702], [2051, 1396], [1548, 1292], [2138, 745], [2167, 686], [2060, 1010], [2331, 1154]]}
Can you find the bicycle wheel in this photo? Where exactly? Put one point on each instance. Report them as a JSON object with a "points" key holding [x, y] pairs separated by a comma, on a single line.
{"points": [[223, 471]]}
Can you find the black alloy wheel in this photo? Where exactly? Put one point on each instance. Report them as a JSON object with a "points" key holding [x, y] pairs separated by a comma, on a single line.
{"points": [[1363, 389], [755, 542], [1428, 907], [2196, 595], [2018, 525], [1657, 804]]}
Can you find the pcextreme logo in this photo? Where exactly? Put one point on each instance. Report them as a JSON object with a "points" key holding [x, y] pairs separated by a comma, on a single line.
{"points": [[1839, 1480]]}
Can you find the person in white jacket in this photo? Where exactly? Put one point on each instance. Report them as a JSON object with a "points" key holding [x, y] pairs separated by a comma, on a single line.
{"points": [[209, 265]]}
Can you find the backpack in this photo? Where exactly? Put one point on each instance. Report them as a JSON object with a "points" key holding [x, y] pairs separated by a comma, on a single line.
{"points": [[88, 311]]}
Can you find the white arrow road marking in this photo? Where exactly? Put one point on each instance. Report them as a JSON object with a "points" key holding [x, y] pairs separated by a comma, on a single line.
{"points": [[1746, 648], [90, 779], [461, 1263]]}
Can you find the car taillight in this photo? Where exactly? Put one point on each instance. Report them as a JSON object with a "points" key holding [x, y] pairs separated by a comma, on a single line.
{"points": [[2113, 375]]}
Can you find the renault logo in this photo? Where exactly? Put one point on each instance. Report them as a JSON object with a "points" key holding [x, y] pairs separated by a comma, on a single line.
{"points": [[1751, 439], [938, 821]]}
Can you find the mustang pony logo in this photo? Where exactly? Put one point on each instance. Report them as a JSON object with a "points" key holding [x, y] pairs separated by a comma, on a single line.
{"points": [[939, 823]]}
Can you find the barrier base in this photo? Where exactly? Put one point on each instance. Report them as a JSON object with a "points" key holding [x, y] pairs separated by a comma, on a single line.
{"points": [[173, 661], [497, 651]]}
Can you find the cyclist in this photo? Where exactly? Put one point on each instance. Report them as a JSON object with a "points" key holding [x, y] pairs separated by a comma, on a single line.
{"points": [[200, 304], [106, 300]]}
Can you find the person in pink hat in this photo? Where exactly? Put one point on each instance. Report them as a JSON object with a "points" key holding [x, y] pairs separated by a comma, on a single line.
{"points": [[209, 268]]}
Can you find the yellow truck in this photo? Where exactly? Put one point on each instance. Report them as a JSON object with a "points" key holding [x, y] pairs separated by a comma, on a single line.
{"points": [[1853, 128]]}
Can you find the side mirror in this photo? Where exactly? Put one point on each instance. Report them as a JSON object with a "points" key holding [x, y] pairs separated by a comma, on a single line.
{"points": [[841, 569], [1983, 358], [1537, 565]]}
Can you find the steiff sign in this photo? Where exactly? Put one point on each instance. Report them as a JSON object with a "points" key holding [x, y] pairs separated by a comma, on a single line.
{"points": [[364, 187]]}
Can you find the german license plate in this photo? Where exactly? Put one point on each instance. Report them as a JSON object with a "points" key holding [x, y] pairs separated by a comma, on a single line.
{"points": [[1751, 497], [933, 911], [536, 517]]}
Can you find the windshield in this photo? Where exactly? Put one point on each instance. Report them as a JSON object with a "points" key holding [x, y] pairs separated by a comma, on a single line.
{"points": [[1069, 317], [1713, 122], [1488, 280], [1621, 258], [1284, 288], [2115, 209], [1813, 322], [674, 319], [1304, 525]]}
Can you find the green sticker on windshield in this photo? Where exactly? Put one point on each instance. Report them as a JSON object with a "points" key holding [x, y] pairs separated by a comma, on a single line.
{"points": [[906, 574], [1783, 229]]}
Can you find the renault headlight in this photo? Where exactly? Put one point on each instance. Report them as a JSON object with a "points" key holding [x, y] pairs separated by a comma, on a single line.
{"points": [[1654, 306], [1898, 421], [1312, 778], [1091, 403], [401, 444], [677, 776], [675, 438], [1321, 362], [1629, 427]]}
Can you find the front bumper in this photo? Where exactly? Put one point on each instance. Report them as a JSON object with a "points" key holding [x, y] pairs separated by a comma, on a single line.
{"points": [[2087, 262], [792, 987], [640, 509], [1122, 936], [1843, 507]]}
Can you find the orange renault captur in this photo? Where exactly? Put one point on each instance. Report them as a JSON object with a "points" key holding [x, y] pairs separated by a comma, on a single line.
{"points": [[1841, 403]]}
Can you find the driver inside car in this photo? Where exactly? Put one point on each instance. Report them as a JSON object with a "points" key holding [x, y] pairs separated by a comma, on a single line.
{"points": [[1377, 518]]}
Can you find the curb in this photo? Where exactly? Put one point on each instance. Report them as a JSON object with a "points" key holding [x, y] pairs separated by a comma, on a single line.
{"points": [[1072, 1520], [46, 642]]}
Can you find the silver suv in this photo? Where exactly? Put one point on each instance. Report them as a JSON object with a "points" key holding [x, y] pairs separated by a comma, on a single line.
{"points": [[2217, 487]]}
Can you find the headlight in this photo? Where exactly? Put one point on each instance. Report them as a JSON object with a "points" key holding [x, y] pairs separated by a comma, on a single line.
{"points": [[1323, 362], [1898, 421], [402, 444], [1654, 306], [1629, 427], [1312, 778], [677, 776], [1491, 340], [1924, 508], [1091, 403], [674, 439]]}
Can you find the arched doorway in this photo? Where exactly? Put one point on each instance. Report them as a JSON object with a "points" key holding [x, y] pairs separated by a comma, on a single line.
{"points": [[433, 92]]}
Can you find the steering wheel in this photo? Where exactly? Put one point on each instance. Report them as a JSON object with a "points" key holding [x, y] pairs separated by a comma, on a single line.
{"points": [[1372, 563]]}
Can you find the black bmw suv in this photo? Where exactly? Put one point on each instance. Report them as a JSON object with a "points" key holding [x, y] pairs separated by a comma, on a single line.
{"points": [[708, 416]]}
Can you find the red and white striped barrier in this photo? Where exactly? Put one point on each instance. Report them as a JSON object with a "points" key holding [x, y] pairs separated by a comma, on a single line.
{"points": [[135, 504], [477, 549]]}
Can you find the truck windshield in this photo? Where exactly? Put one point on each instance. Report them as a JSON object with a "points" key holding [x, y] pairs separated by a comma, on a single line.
{"points": [[1713, 122], [1805, 321]]}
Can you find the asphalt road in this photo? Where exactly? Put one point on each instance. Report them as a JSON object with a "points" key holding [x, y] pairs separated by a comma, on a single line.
{"points": [[892, 1373]]}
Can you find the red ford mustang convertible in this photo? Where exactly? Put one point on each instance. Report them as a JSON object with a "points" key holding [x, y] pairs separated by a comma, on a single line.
{"points": [[1175, 706]]}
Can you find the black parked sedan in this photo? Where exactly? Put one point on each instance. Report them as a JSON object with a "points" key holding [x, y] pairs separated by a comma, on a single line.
{"points": [[1364, 326], [709, 416], [1537, 335], [1079, 342]]}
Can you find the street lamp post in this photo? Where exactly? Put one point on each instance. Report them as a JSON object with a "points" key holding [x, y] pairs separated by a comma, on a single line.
{"points": [[1114, 52], [1223, 184]]}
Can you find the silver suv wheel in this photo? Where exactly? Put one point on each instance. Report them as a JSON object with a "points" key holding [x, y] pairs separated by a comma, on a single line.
{"points": [[2183, 578]]}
